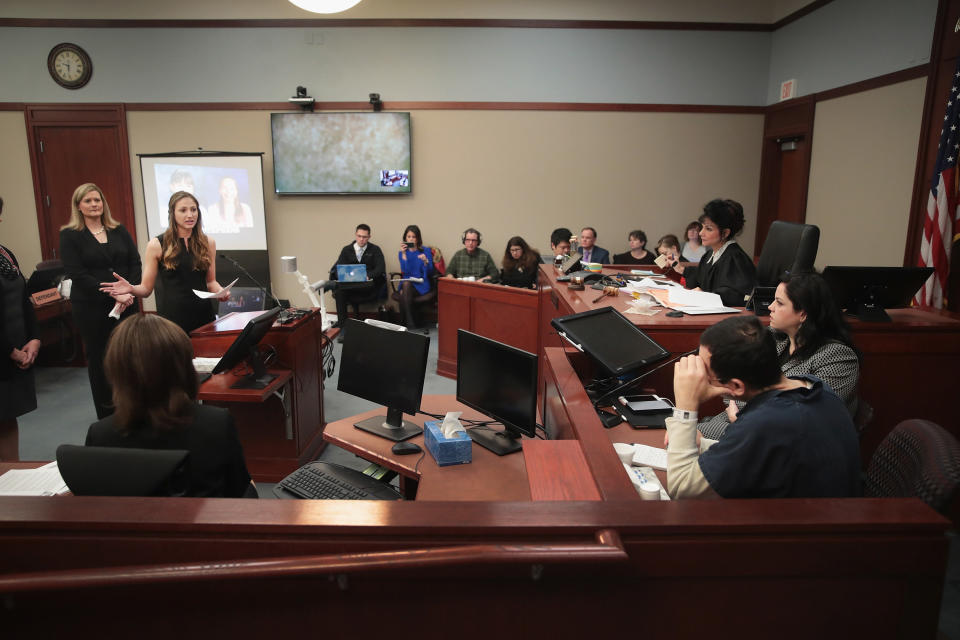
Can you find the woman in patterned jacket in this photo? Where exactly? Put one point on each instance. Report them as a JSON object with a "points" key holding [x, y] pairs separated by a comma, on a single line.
{"points": [[812, 337]]}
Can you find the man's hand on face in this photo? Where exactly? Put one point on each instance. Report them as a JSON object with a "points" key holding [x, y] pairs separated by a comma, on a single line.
{"points": [[691, 383]]}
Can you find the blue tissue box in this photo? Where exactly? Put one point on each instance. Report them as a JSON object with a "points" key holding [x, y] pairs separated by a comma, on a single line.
{"points": [[446, 451]]}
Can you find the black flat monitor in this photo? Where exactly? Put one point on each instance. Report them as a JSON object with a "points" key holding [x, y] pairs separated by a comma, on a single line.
{"points": [[385, 366], [245, 348], [243, 299], [866, 291], [499, 381], [610, 339], [47, 276]]}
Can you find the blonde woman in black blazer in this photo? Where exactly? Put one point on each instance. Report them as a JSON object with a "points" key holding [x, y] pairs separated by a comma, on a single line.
{"points": [[93, 247]]}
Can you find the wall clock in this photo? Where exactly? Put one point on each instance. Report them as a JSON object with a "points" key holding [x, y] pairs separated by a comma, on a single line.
{"points": [[69, 65]]}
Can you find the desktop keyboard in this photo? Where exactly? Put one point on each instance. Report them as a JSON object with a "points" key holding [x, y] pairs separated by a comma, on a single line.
{"points": [[325, 481]]}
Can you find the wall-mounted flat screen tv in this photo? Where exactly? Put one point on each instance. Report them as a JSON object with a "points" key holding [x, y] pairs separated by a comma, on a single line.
{"points": [[341, 153]]}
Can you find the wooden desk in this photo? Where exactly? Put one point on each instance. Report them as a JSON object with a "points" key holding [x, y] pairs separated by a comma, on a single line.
{"points": [[856, 568], [488, 477], [908, 371], [506, 314], [280, 432]]}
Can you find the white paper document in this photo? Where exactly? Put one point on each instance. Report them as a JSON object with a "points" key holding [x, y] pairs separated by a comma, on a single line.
{"points": [[697, 302], [42, 481], [208, 294]]}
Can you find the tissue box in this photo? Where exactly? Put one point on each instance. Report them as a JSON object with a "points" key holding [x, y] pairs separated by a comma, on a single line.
{"points": [[446, 451]]}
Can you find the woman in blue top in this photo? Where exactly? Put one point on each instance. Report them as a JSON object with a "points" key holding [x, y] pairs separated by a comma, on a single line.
{"points": [[416, 261]]}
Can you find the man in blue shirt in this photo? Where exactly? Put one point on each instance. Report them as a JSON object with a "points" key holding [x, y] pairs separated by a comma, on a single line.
{"points": [[794, 438]]}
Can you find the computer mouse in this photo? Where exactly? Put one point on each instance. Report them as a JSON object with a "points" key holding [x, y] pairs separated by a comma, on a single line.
{"points": [[674, 314], [406, 448]]}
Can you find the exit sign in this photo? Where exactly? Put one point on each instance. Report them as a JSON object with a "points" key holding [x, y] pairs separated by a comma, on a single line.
{"points": [[788, 89]]}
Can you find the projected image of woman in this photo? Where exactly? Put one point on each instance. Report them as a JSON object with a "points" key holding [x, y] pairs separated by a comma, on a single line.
{"points": [[183, 257], [228, 215]]}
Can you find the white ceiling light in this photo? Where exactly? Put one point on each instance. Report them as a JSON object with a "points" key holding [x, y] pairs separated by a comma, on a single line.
{"points": [[325, 6]]}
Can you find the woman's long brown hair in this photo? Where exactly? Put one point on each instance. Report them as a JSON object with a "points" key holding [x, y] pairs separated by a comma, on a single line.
{"points": [[197, 243], [149, 364]]}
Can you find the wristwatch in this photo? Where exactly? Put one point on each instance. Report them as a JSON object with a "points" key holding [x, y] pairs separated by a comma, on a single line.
{"points": [[684, 415]]}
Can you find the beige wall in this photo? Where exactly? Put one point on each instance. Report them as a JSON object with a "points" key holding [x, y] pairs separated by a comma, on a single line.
{"points": [[19, 230], [861, 174], [506, 173]]}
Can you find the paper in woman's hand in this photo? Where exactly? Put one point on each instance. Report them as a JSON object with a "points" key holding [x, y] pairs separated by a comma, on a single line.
{"points": [[210, 294]]}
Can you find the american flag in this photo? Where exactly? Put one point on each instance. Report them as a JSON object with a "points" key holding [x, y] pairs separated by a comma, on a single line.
{"points": [[942, 213]]}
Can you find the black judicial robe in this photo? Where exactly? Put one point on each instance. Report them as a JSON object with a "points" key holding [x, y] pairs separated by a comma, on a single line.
{"points": [[732, 277]]}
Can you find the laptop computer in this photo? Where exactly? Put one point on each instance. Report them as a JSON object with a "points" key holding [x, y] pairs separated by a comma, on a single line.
{"points": [[352, 272]]}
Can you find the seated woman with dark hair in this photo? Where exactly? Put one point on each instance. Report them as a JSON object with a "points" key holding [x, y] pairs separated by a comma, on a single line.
{"points": [[519, 264], [416, 261], [149, 363], [638, 253], [812, 338], [725, 269]]}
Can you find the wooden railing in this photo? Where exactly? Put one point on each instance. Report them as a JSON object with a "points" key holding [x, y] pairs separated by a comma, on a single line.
{"points": [[606, 548]]}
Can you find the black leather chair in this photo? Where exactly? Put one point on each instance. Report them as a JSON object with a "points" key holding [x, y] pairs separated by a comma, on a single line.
{"points": [[790, 247], [119, 471]]}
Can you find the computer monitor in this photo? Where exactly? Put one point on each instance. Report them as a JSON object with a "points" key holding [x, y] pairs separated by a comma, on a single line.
{"points": [[245, 348], [866, 291], [47, 276], [610, 339], [385, 366], [243, 299], [499, 381]]}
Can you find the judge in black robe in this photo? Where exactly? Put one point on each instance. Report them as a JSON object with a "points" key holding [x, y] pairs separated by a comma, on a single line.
{"points": [[732, 276]]}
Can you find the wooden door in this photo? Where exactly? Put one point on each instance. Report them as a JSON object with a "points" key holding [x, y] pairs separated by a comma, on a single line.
{"points": [[71, 145], [784, 166]]}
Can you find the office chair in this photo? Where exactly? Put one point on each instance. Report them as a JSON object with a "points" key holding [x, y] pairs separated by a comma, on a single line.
{"points": [[119, 471], [47, 275], [917, 459], [790, 247]]}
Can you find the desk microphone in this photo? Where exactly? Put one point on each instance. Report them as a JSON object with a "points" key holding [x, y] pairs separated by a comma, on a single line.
{"points": [[629, 383], [284, 316]]}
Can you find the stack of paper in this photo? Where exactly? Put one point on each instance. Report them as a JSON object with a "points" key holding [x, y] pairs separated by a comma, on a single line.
{"points": [[674, 296], [42, 481]]}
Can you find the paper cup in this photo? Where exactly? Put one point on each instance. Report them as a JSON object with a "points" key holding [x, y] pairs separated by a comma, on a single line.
{"points": [[624, 452], [650, 491]]}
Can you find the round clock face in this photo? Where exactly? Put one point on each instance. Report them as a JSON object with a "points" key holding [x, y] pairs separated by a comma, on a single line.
{"points": [[69, 65]]}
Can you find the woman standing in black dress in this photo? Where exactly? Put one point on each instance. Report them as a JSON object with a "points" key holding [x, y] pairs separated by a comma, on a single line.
{"points": [[19, 346], [178, 261], [94, 246]]}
